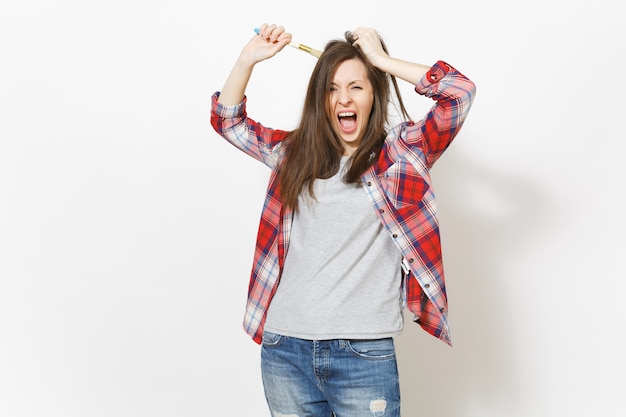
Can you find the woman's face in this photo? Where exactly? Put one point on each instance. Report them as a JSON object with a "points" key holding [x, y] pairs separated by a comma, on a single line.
{"points": [[351, 98]]}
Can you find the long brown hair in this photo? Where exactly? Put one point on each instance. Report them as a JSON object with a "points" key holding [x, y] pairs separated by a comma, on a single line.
{"points": [[313, 149]]}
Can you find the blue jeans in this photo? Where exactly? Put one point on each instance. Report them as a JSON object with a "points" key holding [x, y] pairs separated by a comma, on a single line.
{"points": [[322, 378]]}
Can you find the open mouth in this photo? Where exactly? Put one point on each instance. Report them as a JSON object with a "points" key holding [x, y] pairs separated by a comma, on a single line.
{"points": [[347, 121]]}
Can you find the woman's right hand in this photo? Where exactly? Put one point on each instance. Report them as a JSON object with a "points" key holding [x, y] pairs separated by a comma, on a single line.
{"points": [[267, 43], [270, 40]]}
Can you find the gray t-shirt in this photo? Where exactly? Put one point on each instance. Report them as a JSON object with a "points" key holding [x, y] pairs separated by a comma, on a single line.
{"points": [[342, 277]]}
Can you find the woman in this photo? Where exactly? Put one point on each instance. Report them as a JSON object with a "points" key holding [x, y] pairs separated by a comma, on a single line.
{"points": [[348, 228]]}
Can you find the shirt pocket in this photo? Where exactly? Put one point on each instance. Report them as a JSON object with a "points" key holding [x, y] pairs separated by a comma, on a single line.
{"points": [[403, 185]]}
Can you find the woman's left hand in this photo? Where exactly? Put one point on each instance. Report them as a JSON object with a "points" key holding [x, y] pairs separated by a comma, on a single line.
{"points": [[368, 41]]}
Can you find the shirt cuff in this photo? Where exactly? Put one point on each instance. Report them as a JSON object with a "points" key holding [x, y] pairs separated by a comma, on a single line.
{"points": [[432, 76], [227, 112]]}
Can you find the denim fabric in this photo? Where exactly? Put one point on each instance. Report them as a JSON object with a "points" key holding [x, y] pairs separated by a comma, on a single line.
{"points": [[322, 378]]}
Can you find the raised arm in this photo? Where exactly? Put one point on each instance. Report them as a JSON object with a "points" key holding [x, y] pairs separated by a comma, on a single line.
{"points": [[270, 40], [452, 91]]}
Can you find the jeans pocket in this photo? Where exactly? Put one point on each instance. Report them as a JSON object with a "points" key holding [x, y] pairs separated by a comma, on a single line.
{"points": [[377, 349], [271, 339]]}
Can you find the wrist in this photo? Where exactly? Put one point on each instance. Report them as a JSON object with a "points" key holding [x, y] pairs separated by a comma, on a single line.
{"points": [[382, 62]]}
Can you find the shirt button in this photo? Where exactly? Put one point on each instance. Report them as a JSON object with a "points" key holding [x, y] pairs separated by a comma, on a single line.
{"points": [[394, 235], [369, 183], [382, 210], [441, 310], [427, 286]]}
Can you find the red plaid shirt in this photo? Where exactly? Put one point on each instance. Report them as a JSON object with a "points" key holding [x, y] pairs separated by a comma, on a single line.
{"points": [[399, 187]]}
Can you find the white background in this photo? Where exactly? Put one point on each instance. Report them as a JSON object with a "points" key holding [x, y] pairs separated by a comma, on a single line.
{"points": [[127, 225]]}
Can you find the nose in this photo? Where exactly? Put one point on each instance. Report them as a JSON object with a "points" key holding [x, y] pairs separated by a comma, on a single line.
{"points": [[344, 97]]}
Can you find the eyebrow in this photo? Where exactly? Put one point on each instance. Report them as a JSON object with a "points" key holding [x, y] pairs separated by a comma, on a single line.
{"points": [[350, 83]]}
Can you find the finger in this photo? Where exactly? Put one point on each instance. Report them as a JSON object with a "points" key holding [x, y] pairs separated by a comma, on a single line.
{"points": [[262, 30], [284, 37], [351, 37], [276, 33], [266, 30]]}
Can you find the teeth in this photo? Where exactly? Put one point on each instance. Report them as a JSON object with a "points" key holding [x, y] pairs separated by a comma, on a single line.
{"points": [[346, 114]]}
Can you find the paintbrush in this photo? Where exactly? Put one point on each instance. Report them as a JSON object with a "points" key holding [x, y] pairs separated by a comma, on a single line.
{"points": [[316, 53]]}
